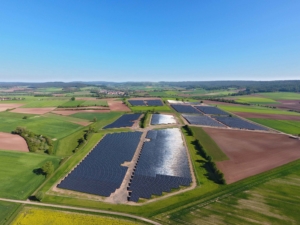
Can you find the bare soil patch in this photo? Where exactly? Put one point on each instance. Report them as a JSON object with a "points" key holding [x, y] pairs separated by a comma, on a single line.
{"points": [[4, 107], [13, 142], [288, 104], [71, 112], [37, 111], [117, 106], [267, 116], [251, 153]]}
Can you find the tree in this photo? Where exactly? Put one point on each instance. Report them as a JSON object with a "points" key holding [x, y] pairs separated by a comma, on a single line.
{"points": [[95, 119], [25, 117], [73, 98], [40, 195], [48, 168]]}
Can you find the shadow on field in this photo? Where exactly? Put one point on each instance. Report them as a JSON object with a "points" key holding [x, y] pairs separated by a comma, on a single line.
{"points": [[38, 171]]}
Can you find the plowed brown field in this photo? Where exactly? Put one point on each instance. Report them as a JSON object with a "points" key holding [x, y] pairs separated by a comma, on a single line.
{"points": [[251, 153], [12, 142], [37, 111], [4, 106]]}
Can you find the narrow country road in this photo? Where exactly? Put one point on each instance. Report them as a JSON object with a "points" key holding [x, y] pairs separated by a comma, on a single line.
{"points": [[80, 209]]}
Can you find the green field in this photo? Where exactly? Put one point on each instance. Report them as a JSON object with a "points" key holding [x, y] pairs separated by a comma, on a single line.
{"points": [[162, 93], [146, 108], [256, 109], [274, 202], [209, 144], [74, 103], [43, 103], [66, 118], [286, 126], [282, 95], [51, 127], [95, 103], [6, 210], [17, 177], [255, 100]]}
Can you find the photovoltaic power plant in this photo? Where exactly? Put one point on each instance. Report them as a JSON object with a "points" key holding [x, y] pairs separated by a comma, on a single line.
{"points": [[101, 173], [202, 120], [137, 102], [185, 109], [126, 120], [146, 102], [154, 103], [212, 110], [162, 165], [162, 119], [239, 123]]}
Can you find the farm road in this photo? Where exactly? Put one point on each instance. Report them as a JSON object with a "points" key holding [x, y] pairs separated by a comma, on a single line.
{"points": [[80, 209]]}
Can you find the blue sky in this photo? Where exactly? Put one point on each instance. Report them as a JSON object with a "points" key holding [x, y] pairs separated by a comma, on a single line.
{"points": [[157, 40]]}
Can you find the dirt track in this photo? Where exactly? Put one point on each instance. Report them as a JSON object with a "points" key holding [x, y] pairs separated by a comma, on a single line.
{"points": [[12, 142], [268, 116], [252, 153], [36, 111]]}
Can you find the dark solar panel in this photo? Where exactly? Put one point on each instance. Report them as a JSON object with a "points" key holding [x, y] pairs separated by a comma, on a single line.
{"points": [[154, 102], [185, 109], [202, 120], [211, 110], [101, 173], [236, 122], [163, 165], [126, 120], [136, 102]]}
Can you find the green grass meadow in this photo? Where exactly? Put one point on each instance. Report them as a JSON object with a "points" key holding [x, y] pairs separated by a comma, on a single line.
{"points": [[54, 128], [6, 210], [281, 95], [44, 103], [255, 100], [209, 144], [256, 109], [17, 177], [95, 103], [286, 126], [74, 103], [146, 108]]}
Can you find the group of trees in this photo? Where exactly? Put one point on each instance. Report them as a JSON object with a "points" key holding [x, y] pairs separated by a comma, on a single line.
{"points": [[144, 119], [86, 135], [34, 141]]}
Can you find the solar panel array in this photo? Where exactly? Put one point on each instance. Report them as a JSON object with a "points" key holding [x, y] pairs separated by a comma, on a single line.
{"points": [[185, 109], [101, 173], [236, 122], [136, 102], [212, 110], [154, 103], [162, 165], [162, 119], [126, 120], [146, 102], [202, 120]]}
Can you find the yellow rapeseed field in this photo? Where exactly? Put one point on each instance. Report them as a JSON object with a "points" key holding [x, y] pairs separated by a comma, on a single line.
{"points": [[30, 216]]}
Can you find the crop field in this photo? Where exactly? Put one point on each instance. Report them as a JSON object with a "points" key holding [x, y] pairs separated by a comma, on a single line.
{"points": [[248, 152], [51, 127], [256, 109], [286, 126], [95, 103], [281, 95], [163, 93], [209, 144], [17, 177], [70, 119], [6, 210], [29, 216], [72, 103], [146, 108], [274, 202], [44, 103], [256, 100]]}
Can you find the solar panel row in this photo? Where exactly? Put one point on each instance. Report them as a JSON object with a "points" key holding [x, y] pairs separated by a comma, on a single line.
{"points": [[101, 173], [211, 110], [185, 109], [162, 165], [146, 102], [202, 120], [236, 122], [126, 120], [162, 119]]}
